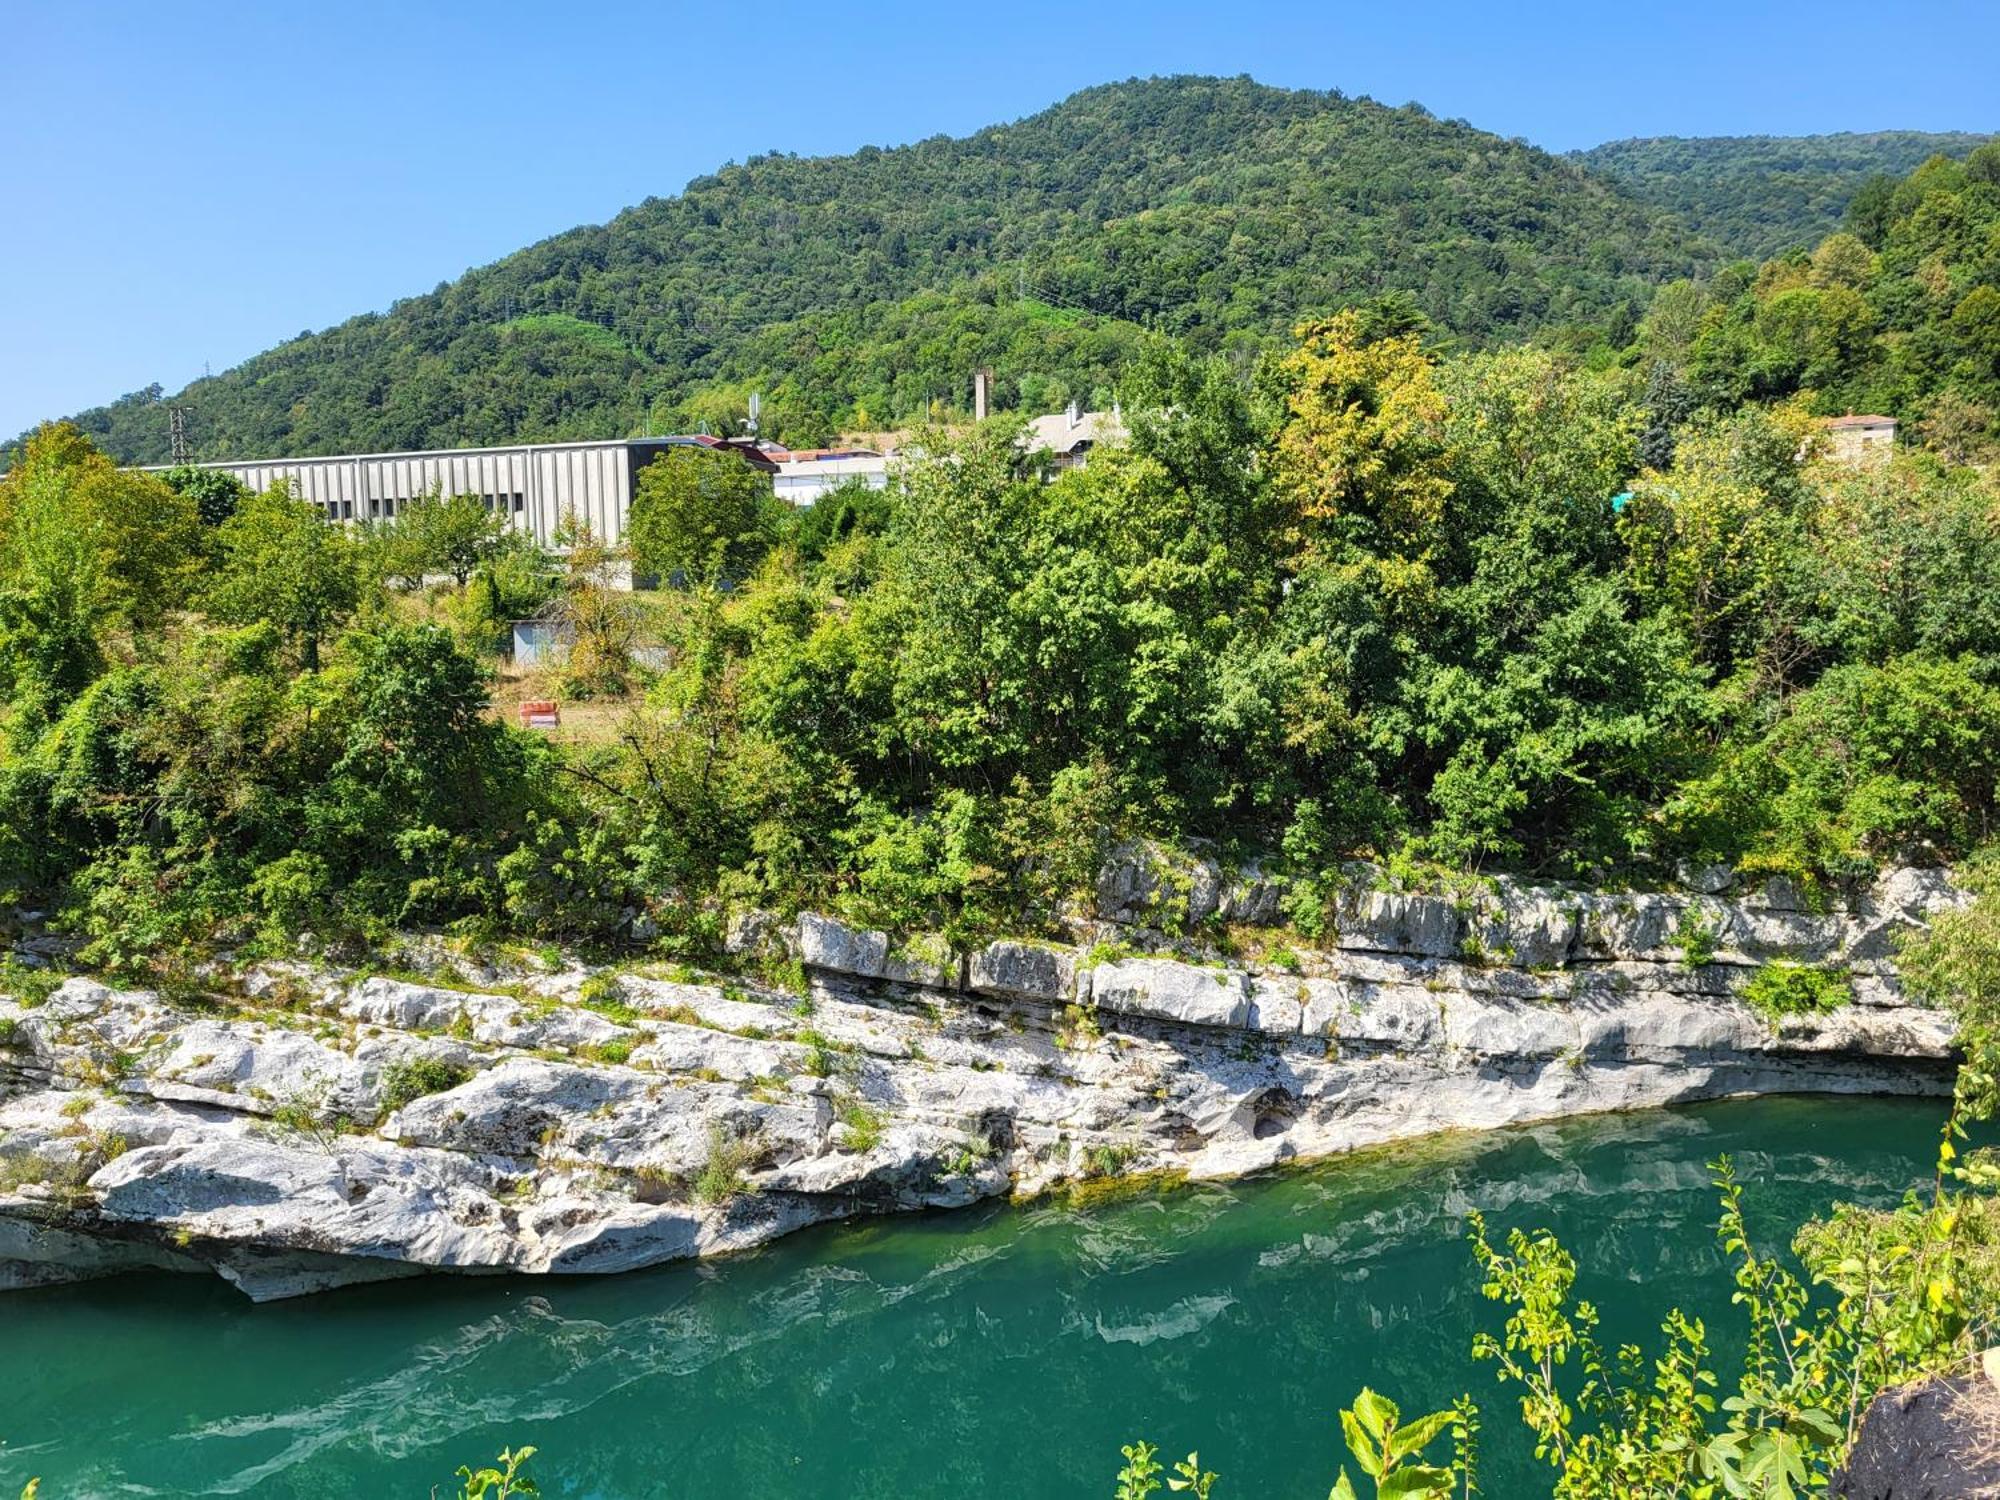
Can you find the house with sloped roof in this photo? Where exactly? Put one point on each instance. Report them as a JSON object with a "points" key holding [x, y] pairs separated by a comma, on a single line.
{"points": [[1856, 439], [1069, 436]]}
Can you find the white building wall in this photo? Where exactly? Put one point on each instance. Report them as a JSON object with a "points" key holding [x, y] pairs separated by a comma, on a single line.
{"points": [[535, 486], [805, 480]]}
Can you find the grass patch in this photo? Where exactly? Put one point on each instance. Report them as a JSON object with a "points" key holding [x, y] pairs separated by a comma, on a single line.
{"points": [[823, 1054], [1078, 1028], [1107, 1161], [864, 1124], [721, 1177], [603, 994]]}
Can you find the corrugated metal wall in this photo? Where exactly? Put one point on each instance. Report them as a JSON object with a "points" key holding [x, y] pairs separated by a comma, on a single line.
{"points": [[536, 486]]}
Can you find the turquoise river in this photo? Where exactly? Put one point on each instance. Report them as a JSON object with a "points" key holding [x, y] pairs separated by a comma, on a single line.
{"points": [[1000, 1351]]}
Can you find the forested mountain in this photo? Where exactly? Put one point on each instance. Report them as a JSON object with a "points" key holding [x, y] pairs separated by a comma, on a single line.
{"points": [[1759, 194], [852, 289], [1898, 313]]}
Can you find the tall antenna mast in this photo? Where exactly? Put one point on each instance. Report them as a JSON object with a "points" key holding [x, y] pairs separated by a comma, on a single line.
{"points": [[177, 433]]}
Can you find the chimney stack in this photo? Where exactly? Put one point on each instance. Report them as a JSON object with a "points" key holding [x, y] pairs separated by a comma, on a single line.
{"points": [[982, 394], [1074, 414]]}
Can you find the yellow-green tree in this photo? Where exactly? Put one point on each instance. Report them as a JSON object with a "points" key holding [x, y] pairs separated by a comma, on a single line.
{"points": [[1359, 457]]}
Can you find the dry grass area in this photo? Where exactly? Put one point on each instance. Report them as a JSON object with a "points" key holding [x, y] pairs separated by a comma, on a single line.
{"points": [[587, 721]]}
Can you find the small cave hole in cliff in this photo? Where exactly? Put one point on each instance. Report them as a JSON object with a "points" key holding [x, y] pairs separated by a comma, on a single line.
{"points": [[1276, 1110]]}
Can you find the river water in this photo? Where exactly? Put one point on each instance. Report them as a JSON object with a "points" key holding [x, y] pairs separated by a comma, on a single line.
{"points": [[994, 1352]]}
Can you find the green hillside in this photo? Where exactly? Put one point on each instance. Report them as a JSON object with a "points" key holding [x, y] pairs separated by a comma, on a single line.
{"points": [[1759, 194], [855, 288]]}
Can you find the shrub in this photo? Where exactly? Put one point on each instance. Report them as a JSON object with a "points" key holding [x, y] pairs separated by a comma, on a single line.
{"points": [[30, 986], [1696, 939], [722, 1174], [1787, 989], [411, 1078]]}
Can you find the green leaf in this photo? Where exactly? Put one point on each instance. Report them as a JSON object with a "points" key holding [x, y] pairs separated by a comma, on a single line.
{"points": [[1377, 1413], [1361, 1445], [1418, 1479], [1417, 1435]]}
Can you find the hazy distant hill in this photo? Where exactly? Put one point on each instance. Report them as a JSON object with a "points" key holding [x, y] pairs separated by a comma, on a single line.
{"points": [[852, 287], [1759, 194]]}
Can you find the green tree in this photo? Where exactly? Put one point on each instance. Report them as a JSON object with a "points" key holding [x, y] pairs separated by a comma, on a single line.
{"points": [[699, 516], [457, 536], [53, 602], [282, 561], [215, 492]]}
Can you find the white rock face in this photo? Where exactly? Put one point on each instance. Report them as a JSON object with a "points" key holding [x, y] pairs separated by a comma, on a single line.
{"points": [[1024, 971], [293, 1149], [1168, 991], [827, 944]]}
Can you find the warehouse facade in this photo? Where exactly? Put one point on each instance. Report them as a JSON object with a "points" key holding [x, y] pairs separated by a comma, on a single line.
{"points": [[537, 486]]}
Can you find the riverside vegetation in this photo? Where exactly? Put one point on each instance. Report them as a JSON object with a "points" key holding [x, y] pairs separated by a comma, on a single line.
{"points": [[1886, 1297], [1514, 608]]}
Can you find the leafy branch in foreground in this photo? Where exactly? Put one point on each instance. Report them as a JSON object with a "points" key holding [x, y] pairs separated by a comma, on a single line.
{"points": [[504, 1482]]}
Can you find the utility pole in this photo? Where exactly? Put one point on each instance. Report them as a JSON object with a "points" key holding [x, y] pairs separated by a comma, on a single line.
{"points": [[177, 434]]}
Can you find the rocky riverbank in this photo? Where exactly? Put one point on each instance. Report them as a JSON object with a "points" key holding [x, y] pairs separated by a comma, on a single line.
{"points": [[305, 1127]]}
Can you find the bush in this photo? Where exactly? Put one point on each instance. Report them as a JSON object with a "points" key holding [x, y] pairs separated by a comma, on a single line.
{"points": [[413, 1077], [1785, 989], [722, 1174]]}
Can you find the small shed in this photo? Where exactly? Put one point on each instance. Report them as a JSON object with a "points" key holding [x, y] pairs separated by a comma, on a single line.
{"points": [[540, 642]]}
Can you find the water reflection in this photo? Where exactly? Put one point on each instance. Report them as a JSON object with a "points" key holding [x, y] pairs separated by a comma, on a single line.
{"points": [[998, 1350]]}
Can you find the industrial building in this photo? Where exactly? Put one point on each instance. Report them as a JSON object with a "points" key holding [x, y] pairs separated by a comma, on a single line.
{"points": [[537, 485], [802, 476]]}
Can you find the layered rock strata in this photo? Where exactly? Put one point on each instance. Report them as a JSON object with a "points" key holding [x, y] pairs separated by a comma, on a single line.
{"points": [[308, 1128]]}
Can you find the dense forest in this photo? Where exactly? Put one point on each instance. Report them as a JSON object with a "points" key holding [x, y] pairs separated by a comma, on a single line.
{"points": [[1760, 194], [854, 290], [858, 292], [1899, 313]]}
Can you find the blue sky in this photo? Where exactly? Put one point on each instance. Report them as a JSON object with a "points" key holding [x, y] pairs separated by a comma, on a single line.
{"points": [[187, 184]]}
